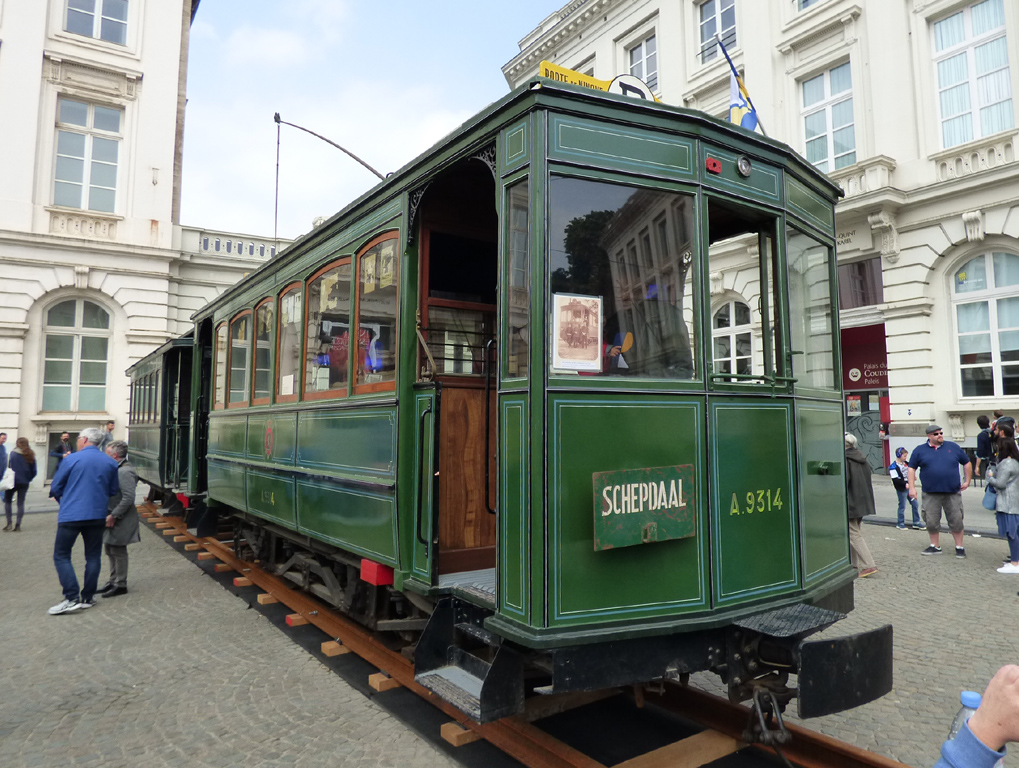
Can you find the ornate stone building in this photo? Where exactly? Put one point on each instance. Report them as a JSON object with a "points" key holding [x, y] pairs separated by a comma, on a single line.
{"points": [[95, 271], [910, 106]]}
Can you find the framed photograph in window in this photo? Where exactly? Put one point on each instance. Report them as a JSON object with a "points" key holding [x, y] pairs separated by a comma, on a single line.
{"points": [[576, 332]]}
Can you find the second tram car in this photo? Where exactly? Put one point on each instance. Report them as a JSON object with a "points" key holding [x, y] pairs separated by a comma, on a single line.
{"points": [[558, 405]]}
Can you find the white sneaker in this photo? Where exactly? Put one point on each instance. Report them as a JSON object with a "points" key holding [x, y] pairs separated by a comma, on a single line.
{"points": [[65, 607], [1008, 568]]}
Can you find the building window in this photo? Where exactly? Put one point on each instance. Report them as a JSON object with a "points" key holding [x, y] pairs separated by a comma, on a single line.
{"points": [[103, 19], [986, 296], [805, 4], [974, 87], [88, 146], [718, 17], [644, 62], [732, 339], [860, 284], [828, 119], [76, 348]]}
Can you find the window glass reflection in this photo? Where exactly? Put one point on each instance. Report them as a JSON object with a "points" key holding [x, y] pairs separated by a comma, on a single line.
{"points": [[810, 308], [328, 330], [622, 281], [376, 317]]}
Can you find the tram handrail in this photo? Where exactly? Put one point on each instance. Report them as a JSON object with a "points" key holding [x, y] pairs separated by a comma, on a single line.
{"points": [[421, 476], [424, 346], [488, 416]]}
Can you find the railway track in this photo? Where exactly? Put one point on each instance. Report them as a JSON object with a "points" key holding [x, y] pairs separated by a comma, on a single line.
{"points": [[518, 736]]}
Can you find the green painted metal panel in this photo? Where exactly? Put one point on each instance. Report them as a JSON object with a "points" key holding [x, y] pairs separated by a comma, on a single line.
{"points": [[226, 483], [643, 506], [821, 458], [811, 206], [425, 462], [227, 435], [271, 437], [515, 145], [753, 508], [357, 520], [514, 550], [615, 147], [143, 452], [590, 434], [764, 182], [362, 442], [271, 495]]}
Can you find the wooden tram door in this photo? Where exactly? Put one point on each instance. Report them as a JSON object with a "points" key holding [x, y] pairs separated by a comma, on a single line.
{"points": [[458, 250]]}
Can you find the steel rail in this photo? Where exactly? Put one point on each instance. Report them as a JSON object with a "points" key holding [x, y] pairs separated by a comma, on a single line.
{"points": [[514, 735]]}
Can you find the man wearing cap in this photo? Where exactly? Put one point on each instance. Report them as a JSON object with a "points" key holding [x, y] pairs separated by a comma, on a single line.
{"points": [[939, 460]]}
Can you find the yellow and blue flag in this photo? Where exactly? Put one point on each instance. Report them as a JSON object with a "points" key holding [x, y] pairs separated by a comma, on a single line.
{"points": [[741, 108]]}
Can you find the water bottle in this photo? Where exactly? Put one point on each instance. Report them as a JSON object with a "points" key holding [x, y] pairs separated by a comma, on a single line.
{"points": [[970, 701]]}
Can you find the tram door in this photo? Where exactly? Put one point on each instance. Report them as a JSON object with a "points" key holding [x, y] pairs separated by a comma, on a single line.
{"points": [[458, 257]]}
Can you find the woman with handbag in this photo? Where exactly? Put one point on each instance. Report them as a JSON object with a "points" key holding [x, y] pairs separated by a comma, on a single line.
{"points": [[22, 461], [1002, 477]]}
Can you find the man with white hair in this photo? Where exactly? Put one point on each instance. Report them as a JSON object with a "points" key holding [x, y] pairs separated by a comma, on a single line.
{"points": [[83, 485]]}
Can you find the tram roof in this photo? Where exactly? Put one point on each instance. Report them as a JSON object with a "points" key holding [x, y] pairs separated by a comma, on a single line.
{"points": [[544, 94], [185, 341]]}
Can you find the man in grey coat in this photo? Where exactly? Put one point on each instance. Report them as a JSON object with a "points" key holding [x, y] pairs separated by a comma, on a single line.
{"points": [[121, 521]]}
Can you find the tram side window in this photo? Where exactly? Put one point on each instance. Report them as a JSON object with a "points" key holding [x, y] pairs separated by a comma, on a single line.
{"points": [[741, 251], [328, 343], [219, 388], [377, 279], [810, 310], [264, 322], [519, 266], [647, 305], [288, 357], [240, 345]]}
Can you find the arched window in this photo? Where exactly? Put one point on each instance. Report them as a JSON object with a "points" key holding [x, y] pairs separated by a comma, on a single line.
{"points": [[732, 338], [985, 294], [77, 342]]}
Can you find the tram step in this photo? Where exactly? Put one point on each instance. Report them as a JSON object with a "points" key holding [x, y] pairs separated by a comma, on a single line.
{"points": [[479, 633], [458, 687]]}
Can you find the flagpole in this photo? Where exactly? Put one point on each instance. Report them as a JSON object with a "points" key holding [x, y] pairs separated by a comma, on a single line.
{"points": [[739, 80]]}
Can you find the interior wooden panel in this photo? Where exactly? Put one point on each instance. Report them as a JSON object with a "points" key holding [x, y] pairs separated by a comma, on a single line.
{"points": [[464, 522]]}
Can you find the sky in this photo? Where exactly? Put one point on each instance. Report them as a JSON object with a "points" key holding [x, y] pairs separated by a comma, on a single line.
{"points": [[385, 79]]}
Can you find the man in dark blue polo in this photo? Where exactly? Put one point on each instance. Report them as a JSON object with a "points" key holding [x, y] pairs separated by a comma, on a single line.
{"points": [[938, 461], [83, 485]]}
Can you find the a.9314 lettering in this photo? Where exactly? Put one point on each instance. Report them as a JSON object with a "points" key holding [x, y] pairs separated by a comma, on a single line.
{"points": [[765, 500]]}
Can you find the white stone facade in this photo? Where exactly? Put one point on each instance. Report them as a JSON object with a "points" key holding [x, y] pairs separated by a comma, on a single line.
{"points": [[89, 195], [918, 198]]}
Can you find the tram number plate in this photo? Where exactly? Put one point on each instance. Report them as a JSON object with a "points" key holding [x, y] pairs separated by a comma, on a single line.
{"points": [[642, 506]]}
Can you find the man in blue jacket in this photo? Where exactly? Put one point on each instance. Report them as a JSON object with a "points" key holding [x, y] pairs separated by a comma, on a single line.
{"points": [[83, 485], [981, 742]]}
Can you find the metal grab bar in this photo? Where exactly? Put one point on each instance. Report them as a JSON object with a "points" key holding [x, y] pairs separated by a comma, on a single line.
{"points": [[488, 418], [421, 467]]}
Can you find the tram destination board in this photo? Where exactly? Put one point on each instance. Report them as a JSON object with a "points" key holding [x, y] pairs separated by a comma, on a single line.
{"points": [[642, 506]]}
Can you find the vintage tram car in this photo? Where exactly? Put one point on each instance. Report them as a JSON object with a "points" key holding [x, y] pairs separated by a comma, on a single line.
{"points": [[393, 416]]}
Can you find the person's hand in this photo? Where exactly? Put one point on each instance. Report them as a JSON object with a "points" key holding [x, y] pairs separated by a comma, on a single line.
{"points": [[614, 351], [110, 520], [996, 722], [964, 486], [912, 493]]}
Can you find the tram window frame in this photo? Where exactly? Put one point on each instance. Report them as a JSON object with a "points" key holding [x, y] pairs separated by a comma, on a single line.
{"points": [[833, 388], [270, 303], [516, 350], [771, 342], [678, 269], [381, 386], [219, 366], [246, 389], [293, 397], [332, 392]]}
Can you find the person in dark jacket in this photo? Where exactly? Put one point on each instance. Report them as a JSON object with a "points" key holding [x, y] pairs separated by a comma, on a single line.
{"points": [[22, 461], [860, 499], [121, 521]]}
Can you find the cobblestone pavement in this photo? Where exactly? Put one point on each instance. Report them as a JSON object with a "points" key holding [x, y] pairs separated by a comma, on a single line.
{"points": [[175, 673], [179, 673]]}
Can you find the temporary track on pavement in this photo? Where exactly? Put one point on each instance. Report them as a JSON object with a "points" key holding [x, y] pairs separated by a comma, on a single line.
{"points": [[517, 736]]}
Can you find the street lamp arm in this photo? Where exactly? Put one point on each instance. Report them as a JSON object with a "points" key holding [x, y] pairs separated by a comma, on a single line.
{"points": [[276, 117]]}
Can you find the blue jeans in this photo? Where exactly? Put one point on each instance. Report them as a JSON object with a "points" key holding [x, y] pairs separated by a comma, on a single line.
{"points": [[900, 512], [91, 532]]}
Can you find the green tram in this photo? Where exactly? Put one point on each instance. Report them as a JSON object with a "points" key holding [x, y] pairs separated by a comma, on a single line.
{"points": [[557, 405]]}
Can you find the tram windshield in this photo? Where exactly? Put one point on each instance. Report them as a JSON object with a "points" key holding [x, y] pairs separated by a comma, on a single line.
{"points": [[622, 280]]}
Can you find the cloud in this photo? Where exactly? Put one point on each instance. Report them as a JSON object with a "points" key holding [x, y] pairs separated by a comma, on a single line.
{"points": [[266, 48]]}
